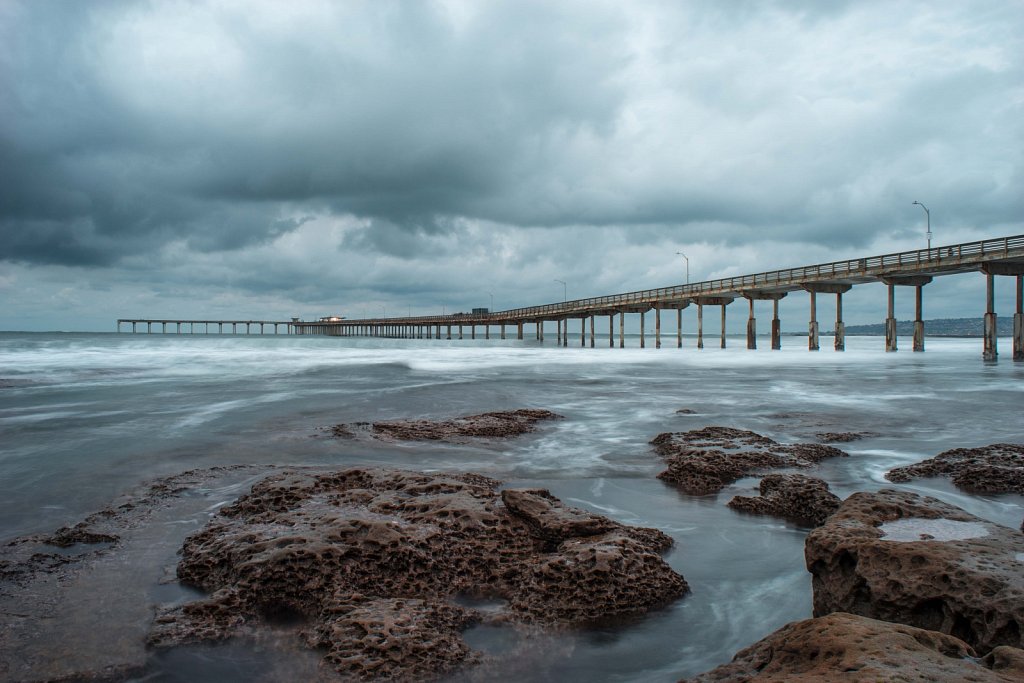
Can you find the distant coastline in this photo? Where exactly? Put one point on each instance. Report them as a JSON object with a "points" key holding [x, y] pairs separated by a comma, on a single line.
{"points": [[938, 327]]}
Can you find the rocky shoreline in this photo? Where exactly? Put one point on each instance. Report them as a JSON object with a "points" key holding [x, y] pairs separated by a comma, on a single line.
{"points": [[382, 571]]}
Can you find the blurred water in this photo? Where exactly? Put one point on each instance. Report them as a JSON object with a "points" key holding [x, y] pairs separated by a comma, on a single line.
{"points": [[84, 417]]}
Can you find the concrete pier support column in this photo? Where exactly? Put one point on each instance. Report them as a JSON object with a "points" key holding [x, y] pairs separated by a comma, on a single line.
{"points": [[592, 330], [1018, 322], [622, 329], [751, 327], [642, 342], [657, 327], [519, 330], [149, 327], [776, 327], [890, 321], [840, 343], [723, 326], [565, 332], [583, 332], [611, 331], [990, 350], [487, 331], [700, 326], [133, 328], [460, 332], [540, 330], [503, 330], [679, 328], [918, 320], [812, 327], [448, 336], [472, 331], [558, 333]]}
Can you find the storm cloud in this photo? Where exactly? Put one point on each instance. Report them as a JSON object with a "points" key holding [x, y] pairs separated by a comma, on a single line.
{"points": [[304, 152]]}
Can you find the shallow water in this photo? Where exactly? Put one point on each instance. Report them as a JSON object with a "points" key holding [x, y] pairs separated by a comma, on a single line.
{"points": [[86, 417]]}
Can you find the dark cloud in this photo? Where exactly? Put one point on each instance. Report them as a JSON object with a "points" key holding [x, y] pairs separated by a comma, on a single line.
{"points": [[136, 131]]}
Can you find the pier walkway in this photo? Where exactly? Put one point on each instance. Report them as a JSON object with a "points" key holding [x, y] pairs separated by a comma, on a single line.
{"points": [[995, 257], [203, 326]]}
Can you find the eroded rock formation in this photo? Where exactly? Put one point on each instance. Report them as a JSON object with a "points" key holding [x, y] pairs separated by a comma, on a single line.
{"points": [[372, 561], [841, 437], [496, 425], [704, 461], [998, 468], [846, 647], [796, 497], [905, 558]]}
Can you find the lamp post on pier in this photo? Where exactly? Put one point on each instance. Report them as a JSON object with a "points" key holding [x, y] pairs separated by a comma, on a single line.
{"points": [[565, 296], [679, 253], [928, 215]]}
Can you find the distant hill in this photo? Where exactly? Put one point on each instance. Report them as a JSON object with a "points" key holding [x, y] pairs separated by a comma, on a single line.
{"points": [[939, 327]]}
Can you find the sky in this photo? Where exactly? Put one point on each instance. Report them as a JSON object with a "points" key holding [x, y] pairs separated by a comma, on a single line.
{"points": [[246, 159]]}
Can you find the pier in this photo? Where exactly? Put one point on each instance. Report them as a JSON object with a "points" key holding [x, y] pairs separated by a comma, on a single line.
{"points": [[1000, 258], [203, 326]]}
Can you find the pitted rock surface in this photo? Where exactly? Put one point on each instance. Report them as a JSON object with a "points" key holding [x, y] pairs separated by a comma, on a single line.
{"points": [[803, 499], [704, 461], [998, 468], [373, 559], [842, 437], [940, 569], [496, 425], [854, 649]]}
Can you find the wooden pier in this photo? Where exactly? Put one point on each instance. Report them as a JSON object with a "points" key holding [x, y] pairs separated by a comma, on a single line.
{"points": [[203, 326], [992, 258]]}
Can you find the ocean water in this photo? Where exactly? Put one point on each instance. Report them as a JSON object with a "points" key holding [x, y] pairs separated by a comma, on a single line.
{"points": [[85, 417]]}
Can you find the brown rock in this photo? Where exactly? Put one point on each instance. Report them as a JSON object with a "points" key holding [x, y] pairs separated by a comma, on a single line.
{"points": [[495, 425], [841, 437], [998, 468], [704, 461], [905, 558], [371, 560], [845, 647], [549, 518], [805, 500]]}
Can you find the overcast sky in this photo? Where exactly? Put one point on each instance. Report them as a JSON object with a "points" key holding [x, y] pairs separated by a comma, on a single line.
{"points": [[270, 159]]}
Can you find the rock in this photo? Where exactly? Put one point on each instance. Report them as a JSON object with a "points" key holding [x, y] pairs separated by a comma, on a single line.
{"points": [[841, 437], [502, 424], [805, 500], [704, 461], [997, 468], [905, 558], [686, 411], [372, 562], [551, 520], [854, 649]]}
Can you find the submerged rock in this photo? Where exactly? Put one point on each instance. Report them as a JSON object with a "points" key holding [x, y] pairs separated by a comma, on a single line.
{"points": [[905, 558], [805, 500], [704, 461], [373, 562], [841, 437], [997, 468], [846, 647], [496, 425]]}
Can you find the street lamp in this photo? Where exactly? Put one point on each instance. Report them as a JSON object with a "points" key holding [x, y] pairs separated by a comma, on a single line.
{"points": [[564, 290], [492, 301], [929, 216], [679, 253]]}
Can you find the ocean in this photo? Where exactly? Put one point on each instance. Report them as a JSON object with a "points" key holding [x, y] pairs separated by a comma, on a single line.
{"points": [[87, 417]]}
